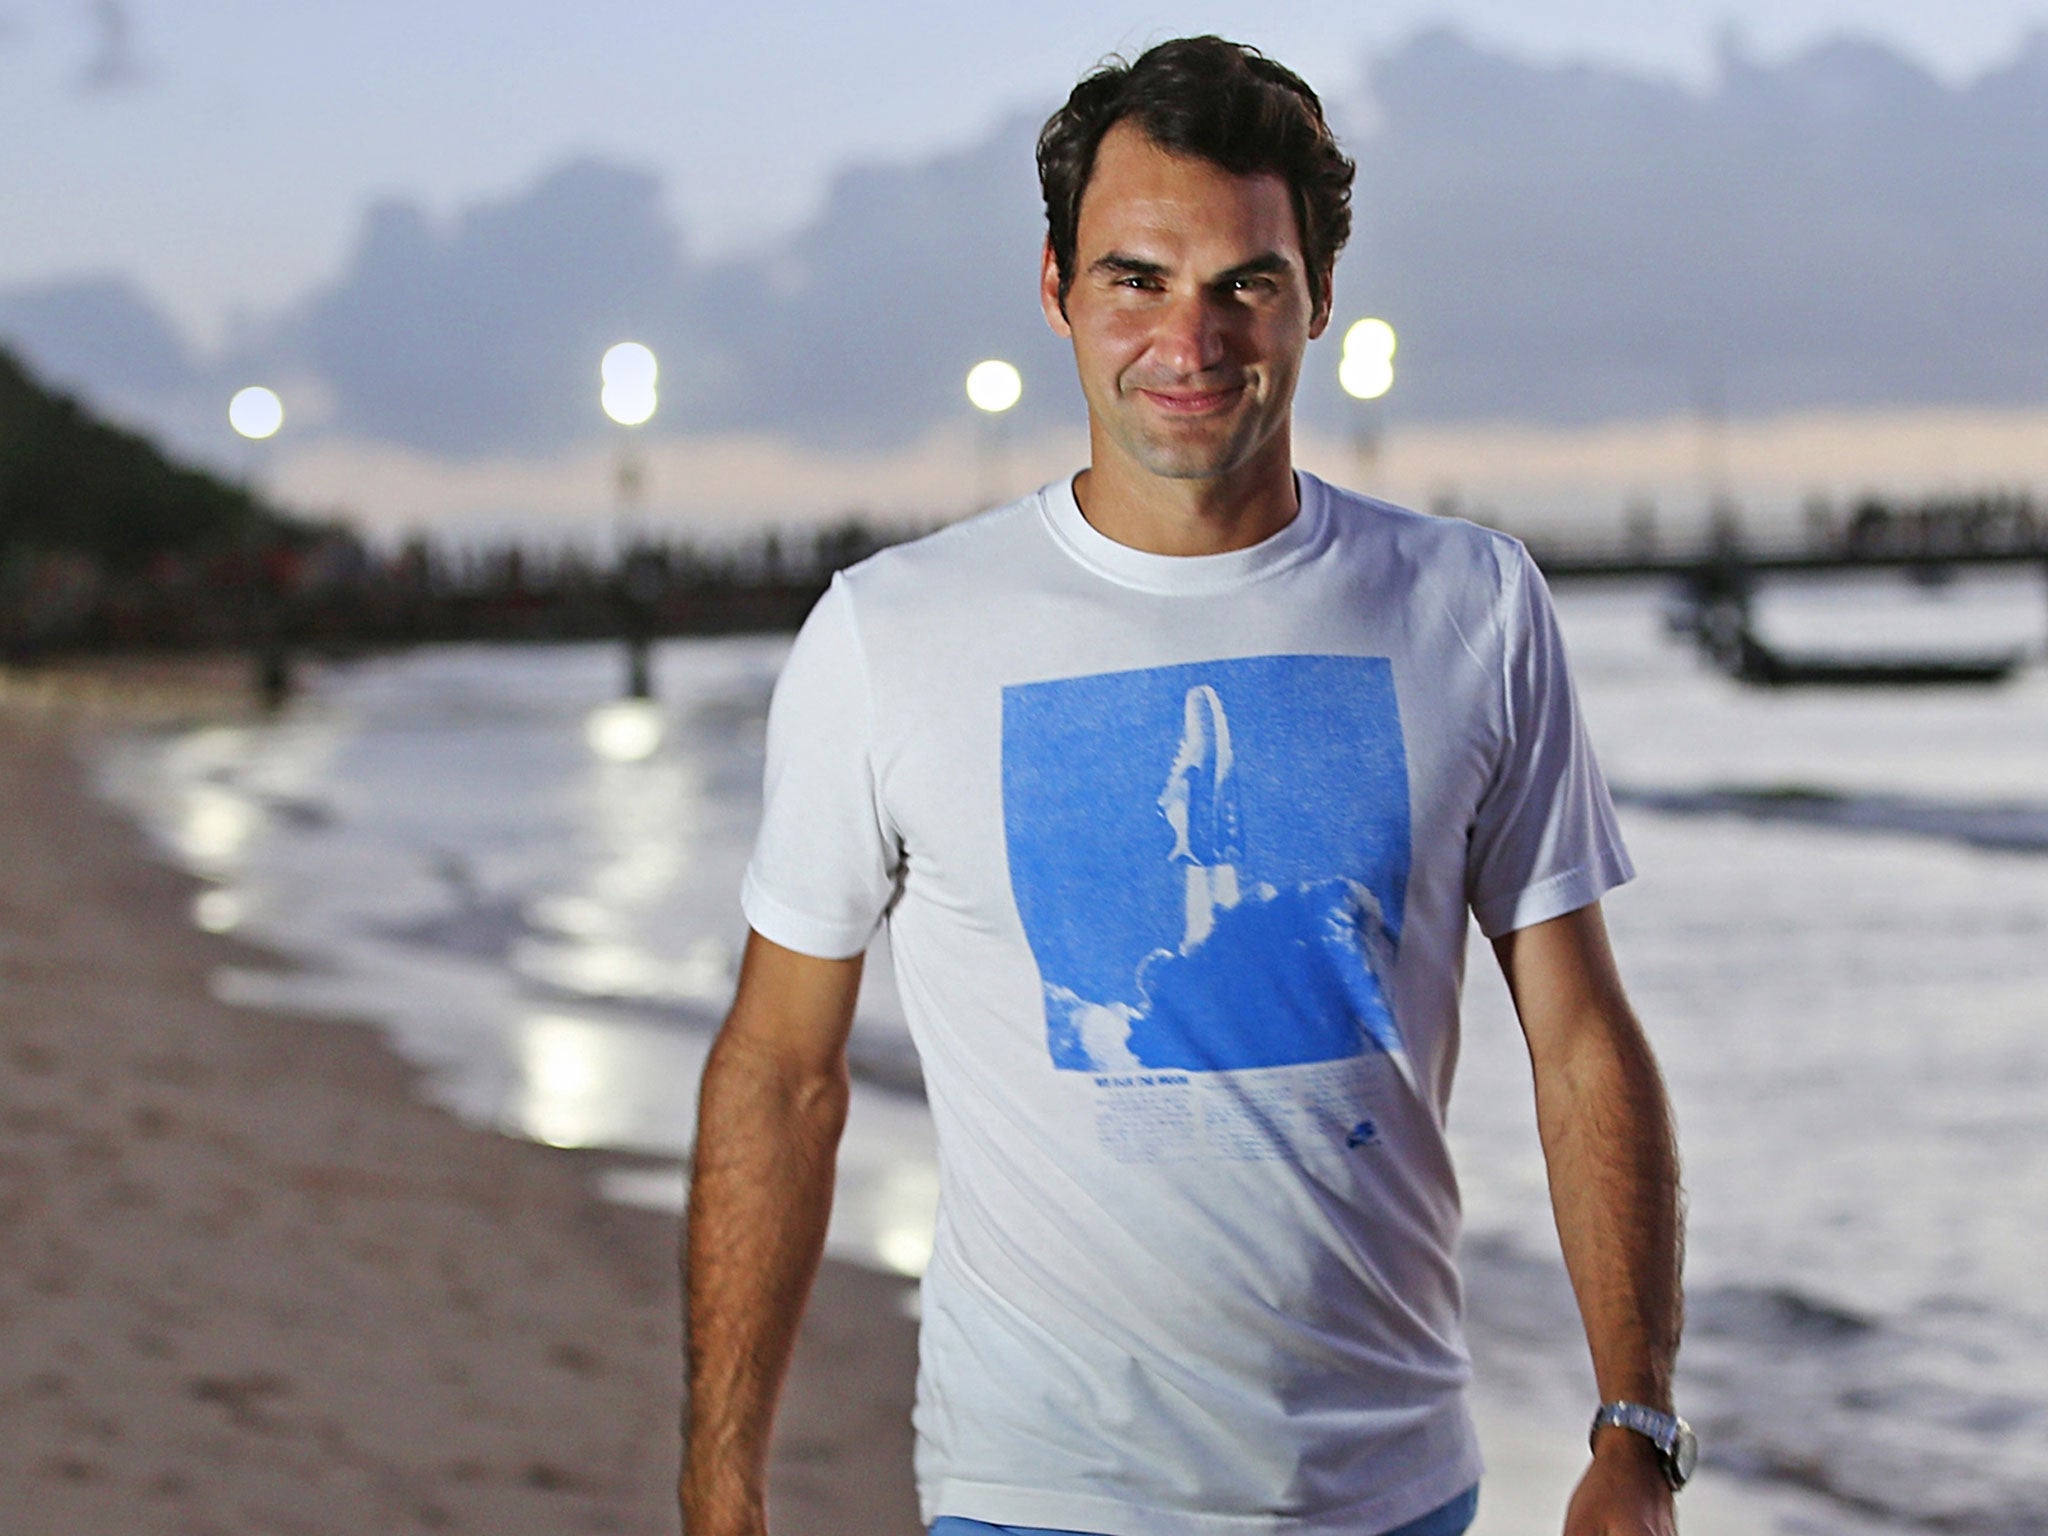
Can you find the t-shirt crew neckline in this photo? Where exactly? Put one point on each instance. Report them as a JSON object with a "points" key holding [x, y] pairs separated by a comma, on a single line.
{"points": [[1150, 572]]}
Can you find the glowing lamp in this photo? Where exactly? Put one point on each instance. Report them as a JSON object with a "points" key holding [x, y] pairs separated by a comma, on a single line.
{"points": [[1366, 370], [630, 373], [256, 412], [994, 386]]}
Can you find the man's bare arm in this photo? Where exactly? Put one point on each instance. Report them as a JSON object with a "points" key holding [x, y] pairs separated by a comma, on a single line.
{"points": [[1612, 1158], [770, 1111]]}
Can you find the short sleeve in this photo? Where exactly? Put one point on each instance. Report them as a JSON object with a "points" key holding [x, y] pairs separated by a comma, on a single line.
{"points": [[1544, 839], [824, 865]]}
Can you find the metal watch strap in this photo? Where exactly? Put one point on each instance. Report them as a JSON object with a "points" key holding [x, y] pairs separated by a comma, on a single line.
{"points": [[1677, 1446]]}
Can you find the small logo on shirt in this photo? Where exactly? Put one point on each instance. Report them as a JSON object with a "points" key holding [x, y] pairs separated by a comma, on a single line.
{"points": [[1363, 1134]]}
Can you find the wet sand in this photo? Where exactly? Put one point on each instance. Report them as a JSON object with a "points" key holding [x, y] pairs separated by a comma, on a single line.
{"points": [[249, 1282]]}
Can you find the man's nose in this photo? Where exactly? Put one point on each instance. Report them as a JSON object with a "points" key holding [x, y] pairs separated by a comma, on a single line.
{"points": [[1190, 336]]}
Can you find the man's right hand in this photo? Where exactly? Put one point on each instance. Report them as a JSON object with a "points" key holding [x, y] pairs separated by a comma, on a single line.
{"points": [[770, 1111]]}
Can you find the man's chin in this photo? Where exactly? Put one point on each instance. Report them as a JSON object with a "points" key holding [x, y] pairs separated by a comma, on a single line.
{"points": [[1194, 460], [1186, 469]]}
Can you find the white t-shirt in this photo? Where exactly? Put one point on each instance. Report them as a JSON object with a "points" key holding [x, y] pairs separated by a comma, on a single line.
{"points": [[1176, 856]]}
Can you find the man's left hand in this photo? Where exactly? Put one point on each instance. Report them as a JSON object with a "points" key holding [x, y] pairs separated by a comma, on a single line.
{"points": [[1624, 1491]]}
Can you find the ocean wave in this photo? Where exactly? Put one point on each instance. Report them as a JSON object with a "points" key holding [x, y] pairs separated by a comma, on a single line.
{"points": [[1775, 1315], [1870, 1423]]}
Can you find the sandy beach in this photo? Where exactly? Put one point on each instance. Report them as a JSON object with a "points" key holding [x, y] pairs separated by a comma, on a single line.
{"points": [[250, 1283]]}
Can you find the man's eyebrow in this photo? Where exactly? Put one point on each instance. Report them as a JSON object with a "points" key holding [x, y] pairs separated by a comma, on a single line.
{"points": [[1134, 266], [1270, 263]]}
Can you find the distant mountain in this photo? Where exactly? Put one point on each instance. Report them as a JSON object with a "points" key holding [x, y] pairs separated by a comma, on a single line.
{"points": [[1560, 243]]}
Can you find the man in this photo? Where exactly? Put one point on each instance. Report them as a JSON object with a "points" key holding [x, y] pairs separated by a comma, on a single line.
{"points": [[1176, 785]]}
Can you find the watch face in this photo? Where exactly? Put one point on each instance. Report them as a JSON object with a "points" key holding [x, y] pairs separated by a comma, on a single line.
{"points": [[1684, 1456]]}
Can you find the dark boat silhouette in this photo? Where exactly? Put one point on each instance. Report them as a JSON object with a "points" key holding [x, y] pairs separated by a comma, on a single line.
{"points": [[1753, 661]]}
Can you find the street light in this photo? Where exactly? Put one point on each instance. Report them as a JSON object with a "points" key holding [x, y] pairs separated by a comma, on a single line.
{"points": [[993, 386], [1366, 373], [256, 412], [1367, 368], [630, 372]]}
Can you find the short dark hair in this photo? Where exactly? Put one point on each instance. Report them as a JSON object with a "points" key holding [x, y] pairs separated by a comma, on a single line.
{"points": [[1216, 100]]}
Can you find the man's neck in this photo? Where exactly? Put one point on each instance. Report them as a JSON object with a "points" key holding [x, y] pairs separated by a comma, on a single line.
{"points": [[1210, 516]]}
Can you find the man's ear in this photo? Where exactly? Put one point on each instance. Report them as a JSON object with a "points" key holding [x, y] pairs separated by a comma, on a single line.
{"points": [[1325, 291], [1049, 299]]}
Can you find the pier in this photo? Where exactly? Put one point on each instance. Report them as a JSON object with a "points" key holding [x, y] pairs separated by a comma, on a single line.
{"points": [[338, 597]]}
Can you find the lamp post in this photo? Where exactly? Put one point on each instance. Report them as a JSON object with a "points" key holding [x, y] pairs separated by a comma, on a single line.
{"points": [[993, 386], [1366, 373], [629, 373], [256, 414]]}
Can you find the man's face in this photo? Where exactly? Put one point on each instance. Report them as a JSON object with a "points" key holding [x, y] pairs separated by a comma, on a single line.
{"points": [[1189, 310]]}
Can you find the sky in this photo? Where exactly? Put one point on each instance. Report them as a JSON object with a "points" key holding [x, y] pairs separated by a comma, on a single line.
{"points": [[223, 159], [222, 151]]}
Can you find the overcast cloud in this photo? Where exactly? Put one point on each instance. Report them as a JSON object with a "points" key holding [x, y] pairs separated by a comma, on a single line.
{"points": [[1556, 244]]}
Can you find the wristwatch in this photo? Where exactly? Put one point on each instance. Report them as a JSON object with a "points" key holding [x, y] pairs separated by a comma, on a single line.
{"points": [[1678, 1448]]}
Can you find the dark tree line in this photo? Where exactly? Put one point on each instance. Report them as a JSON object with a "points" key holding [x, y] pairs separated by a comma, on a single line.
{"points": [[71, 484]]}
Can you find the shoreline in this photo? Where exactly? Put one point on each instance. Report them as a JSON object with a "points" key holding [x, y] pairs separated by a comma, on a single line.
{"points": [[251, 1282]]}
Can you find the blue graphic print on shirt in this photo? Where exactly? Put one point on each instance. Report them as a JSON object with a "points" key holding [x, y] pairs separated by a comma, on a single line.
{"points": [[1210, 860]]}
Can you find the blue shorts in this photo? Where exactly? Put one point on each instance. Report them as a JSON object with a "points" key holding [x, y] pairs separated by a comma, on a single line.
{"points": [[1451, 1519]]}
